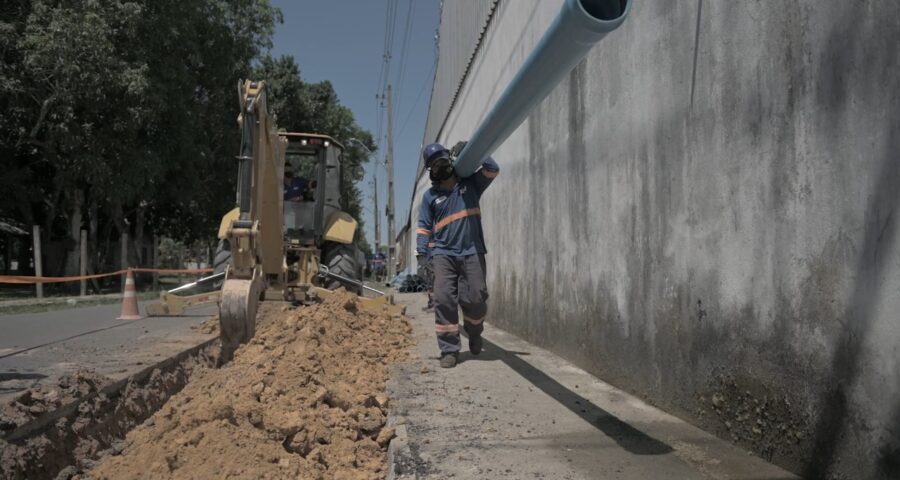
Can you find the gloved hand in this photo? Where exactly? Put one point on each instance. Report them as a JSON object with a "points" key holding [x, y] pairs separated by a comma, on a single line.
{"points": [[457, 149]]}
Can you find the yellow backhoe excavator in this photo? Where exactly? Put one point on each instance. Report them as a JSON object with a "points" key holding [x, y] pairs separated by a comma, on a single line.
{"points": [[284, 249]]}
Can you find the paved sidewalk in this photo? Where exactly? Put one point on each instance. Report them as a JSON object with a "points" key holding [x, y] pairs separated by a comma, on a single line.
{"points": [[517, 411]]}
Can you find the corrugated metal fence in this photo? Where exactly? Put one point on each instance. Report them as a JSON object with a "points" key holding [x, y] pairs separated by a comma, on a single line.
{"points": [[463, 24]]}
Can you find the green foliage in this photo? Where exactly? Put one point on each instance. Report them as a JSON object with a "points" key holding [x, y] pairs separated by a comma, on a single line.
{"points": [[120, 115], [170, 253], [315, 108], [73, 71], [175, 254]]}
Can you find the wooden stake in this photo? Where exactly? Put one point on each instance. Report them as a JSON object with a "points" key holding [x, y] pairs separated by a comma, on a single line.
{"points": [[38, 270], [84, 259], [124, 263]]}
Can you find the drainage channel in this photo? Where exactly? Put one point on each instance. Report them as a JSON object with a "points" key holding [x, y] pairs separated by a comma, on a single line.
{"points": [[69, 439]]}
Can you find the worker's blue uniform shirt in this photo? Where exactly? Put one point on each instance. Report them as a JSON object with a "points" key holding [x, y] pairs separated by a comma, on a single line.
{"points": [[450, 220], [295, 189]]}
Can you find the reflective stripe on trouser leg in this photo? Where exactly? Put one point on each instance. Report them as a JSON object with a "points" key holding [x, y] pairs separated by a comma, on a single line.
{"points": [[446, 317], [473, 293]]}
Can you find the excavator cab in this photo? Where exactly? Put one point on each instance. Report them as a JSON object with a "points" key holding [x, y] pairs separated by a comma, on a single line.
{"points": [[314, 162], [317, 232]]}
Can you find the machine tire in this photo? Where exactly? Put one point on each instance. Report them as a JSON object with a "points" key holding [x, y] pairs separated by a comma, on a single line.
{"points": [[341, 259], [221, 261]]}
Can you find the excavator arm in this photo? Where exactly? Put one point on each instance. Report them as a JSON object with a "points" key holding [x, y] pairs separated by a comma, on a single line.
{"points": [[255, 235]]}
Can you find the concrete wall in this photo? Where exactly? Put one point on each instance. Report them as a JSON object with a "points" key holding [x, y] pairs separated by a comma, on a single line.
{"points": [[705, 213]]}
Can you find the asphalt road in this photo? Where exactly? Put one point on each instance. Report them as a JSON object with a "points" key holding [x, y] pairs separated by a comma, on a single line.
{"points": [[37, 348]]}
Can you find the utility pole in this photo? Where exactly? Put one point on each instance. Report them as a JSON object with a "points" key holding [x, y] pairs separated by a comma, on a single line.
{"points": [[390, 174], [82, 246], [155, 262], [124, 262], [38, 264], [376, 212]]}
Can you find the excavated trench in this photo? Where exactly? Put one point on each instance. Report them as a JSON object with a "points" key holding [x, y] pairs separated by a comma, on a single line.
{"points": [[57, 435], [303, 399]]}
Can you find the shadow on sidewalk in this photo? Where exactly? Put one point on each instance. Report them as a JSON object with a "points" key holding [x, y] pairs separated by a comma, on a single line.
{"points": [[628, 437]]}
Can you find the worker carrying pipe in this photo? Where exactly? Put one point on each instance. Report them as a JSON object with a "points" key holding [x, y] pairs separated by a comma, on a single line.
{"points": [[449, 229], [450, 211]]}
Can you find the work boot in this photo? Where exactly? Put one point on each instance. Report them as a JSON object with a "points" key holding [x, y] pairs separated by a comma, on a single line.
{"points": [[448, 360], [475, 344]]}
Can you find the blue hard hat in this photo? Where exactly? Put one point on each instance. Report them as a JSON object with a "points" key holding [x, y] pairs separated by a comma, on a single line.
{"points": [[433, 151]]}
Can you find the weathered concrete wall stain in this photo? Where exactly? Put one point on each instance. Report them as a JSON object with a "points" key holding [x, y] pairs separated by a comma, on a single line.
{"points": [[718, 235]]}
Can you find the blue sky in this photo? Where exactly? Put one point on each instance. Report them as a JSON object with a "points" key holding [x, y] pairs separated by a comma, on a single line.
{"points": [[343, 41]]}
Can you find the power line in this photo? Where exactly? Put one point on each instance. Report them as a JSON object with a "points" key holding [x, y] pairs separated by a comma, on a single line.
{"points": [[390, 19], [412, 109], [390, 23], [401, 72], [389, 44], [387, 16]]}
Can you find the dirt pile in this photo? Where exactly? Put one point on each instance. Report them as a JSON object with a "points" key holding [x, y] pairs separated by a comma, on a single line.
{"points": [[304, 399], [208, 326], [41, 399]]}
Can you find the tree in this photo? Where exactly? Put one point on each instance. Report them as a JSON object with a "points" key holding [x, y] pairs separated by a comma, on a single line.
{"points": [[120, 114], [68, 73]]}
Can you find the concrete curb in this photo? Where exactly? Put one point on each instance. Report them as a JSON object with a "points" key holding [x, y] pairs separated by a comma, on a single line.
{"points": [[398, 451], [57, 300]]}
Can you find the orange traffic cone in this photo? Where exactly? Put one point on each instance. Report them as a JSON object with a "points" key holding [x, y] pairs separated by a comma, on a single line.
{"points": [[129, 300]]}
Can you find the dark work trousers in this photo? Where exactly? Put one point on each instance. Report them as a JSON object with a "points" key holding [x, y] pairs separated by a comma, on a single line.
{"points": [[458, 281]]}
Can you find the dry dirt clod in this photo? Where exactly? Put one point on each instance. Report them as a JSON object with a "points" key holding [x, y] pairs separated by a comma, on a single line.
{"points": [[304, 402], [385, 436]]}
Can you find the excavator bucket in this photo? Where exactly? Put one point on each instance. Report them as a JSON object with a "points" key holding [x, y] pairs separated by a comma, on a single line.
{"points": [[174, 302], [170, 305], [237, 314]]}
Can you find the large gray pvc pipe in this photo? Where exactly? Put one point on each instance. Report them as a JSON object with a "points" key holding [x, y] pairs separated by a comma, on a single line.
{"points": [[579, 25]]}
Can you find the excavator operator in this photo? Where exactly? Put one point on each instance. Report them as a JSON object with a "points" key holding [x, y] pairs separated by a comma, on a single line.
{"points": [[294, 187]]}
